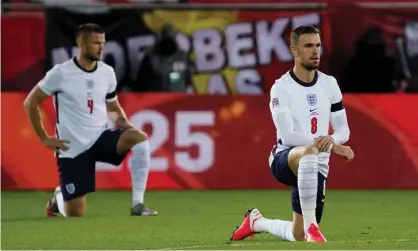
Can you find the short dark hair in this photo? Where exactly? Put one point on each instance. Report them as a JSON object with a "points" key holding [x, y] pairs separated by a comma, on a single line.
{"points": [[304, 29], [89, 28]]}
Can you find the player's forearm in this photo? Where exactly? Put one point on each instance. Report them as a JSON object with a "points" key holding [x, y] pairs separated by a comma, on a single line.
{"points": [[296, 139], [288, 135], [119, 117], [122, 119], [32, 110], [337, 149]]}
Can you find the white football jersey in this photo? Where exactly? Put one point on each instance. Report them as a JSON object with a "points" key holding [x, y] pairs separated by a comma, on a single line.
{"points": [[80, 98], [310, 106]]}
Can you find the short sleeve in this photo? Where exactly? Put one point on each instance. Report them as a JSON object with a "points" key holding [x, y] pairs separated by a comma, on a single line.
{"points": [[51, 83], [113, 83], [335, 91], [279, 98], [336, 96]]}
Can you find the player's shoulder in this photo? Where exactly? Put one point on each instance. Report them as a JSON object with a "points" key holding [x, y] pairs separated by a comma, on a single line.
{"points": [[106, 70], [327, 80], [67, 67], [62, 67], [284, 80], [282, 83], [105, 67]]}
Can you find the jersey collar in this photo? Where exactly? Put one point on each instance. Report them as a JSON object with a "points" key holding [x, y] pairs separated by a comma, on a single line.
{"points": [[312, 83], [83, 69]]}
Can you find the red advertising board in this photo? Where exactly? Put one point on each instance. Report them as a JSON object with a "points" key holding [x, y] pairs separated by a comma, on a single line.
{"points": [[223, 142]]}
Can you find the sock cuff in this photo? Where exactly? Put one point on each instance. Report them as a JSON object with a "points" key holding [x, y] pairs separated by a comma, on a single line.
{"points": [[309, 158], [141, 146]]}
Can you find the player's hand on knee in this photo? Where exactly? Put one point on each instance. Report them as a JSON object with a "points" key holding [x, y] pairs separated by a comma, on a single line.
{"points": [[55, 144], [323, 143]]}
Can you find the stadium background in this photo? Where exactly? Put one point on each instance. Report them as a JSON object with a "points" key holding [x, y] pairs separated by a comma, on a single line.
{"points": [[231, 134]]}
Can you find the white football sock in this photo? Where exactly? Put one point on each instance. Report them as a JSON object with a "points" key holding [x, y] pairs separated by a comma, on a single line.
{"points": [[278, 228], [308, 188], [60, 201], [140, 162]]}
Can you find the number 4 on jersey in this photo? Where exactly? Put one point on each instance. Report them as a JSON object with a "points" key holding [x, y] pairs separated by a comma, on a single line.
{"points": [[90, 105]]}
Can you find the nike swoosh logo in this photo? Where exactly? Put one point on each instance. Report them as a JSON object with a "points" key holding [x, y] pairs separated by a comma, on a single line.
{"points": [[312, 109]]}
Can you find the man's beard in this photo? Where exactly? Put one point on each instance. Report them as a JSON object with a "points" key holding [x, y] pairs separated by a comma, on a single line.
{"points": [[91, 58], [309, 67]]}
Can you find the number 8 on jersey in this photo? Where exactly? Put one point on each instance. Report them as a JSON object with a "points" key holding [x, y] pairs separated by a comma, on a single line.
{"points": [[314, 125]]}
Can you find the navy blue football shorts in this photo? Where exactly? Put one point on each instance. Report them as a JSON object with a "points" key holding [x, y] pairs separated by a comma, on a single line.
{"points": [[78, 175]]}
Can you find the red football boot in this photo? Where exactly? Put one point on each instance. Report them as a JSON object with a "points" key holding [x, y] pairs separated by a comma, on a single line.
{"points": [[247, 226], [52, 205], [314, 234]]}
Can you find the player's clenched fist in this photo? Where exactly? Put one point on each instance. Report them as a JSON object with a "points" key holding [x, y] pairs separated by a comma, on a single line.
{"points": [[323, 143], [344, 151], [55, 144], [347, 153]]}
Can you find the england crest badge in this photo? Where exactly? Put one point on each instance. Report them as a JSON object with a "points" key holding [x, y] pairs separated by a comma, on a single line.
{"points": [[70, 188], [275, 102], [311, 98], [90, 84]]}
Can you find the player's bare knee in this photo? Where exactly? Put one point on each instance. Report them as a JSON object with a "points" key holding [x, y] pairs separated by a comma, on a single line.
{"points": [[132, 137], [299, 235], [75, 207], [74, 212], [137, 136], [309, 150]]}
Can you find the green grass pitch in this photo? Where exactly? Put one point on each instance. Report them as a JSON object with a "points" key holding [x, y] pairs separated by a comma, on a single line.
{"points": [[206, 219]]}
